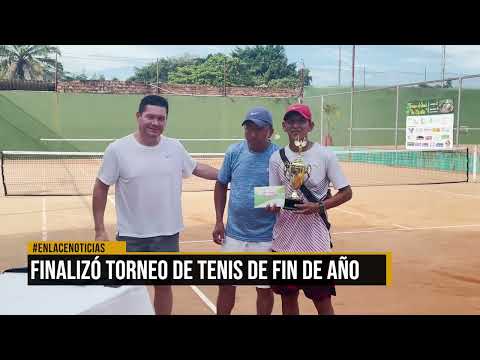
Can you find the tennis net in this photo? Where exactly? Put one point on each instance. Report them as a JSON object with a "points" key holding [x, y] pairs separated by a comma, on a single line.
{"points": [[74, 173]]}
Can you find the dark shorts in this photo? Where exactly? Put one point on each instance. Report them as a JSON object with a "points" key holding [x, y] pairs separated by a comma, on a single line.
{"points": [[316, 293], [167, 243]]}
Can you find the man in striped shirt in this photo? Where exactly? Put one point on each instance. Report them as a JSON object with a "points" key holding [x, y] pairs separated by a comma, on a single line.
{"points": [[306, 229]]}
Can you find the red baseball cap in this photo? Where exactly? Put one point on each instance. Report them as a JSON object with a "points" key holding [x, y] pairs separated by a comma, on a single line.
{"points": [[302, 109]]}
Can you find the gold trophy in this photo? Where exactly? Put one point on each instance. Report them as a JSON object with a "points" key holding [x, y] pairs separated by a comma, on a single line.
{"points": [[297, 172]]}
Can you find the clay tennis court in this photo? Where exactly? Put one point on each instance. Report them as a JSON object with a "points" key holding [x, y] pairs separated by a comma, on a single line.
{"points": [[432, 231]]}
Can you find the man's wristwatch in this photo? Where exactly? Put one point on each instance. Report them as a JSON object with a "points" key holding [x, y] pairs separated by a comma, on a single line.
{"points": [[321, 209]]}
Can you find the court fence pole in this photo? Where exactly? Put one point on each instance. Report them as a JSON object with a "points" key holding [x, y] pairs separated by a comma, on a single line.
{"points": [[351, 98], [351, 121], [396, 119], [321, 121], [2, 160], [458, 108]]}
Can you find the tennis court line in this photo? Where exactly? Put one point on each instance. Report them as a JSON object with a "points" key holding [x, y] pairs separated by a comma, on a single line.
{"points": [[350, 212], [365, 217], [403, 228], [454, 193], [195, 241], [204, 298], [408, 229], [44, 219], [195, 289]]}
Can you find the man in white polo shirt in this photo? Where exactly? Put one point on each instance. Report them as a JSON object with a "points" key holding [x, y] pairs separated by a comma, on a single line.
{"points": [[147, 169]]}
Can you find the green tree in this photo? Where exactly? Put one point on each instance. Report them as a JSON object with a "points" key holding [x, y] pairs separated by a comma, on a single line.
{"points": [[209, 72], [29, 62], [268, 65], [148, 73], [447, 84], [251, 66], [284, 83], [307, 78]]}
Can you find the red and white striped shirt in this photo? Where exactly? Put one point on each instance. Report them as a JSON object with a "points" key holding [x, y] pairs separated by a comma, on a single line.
{"points": [[297, 232]]}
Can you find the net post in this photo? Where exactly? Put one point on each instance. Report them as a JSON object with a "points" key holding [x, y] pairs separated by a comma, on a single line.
{"points": [[475, 159], [2, 160], [468, 164]]}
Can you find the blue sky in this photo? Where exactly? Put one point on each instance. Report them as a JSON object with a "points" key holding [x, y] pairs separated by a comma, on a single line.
{"points": [[383, 64]]}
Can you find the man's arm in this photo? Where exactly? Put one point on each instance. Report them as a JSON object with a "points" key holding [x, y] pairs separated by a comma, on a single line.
{"points": [[343, 195], [99, 201], [220, 199], [205, 171], [336, 176]]}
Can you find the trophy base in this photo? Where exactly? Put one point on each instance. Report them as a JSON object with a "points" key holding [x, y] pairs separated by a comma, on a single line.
{"points": [[290, 204]]}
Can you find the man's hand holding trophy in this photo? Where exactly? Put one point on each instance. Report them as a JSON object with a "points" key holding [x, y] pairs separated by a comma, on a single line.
{"points": [[297, 172]]}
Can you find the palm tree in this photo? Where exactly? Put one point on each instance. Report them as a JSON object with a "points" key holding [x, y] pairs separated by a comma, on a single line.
{"points": [[28, 62]]}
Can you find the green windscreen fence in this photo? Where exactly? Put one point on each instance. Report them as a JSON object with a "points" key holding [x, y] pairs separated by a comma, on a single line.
{"points": [[89, 122], [378, 121], [331, 127]]}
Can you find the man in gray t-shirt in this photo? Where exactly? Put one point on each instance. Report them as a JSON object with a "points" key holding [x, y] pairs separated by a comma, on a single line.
{"points": [[147, 169]]}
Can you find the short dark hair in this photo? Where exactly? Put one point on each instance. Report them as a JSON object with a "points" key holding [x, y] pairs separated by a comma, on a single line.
{"points": [[154, 100]]}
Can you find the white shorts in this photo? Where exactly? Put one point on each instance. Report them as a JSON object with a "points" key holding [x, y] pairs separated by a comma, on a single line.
{"points": [[234, 245]]}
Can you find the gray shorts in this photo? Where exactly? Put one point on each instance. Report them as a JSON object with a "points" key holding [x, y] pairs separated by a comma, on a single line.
{"points": [[166, 243]]}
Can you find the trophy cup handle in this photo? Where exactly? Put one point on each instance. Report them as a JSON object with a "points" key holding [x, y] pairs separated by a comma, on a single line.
{"points": [[286, 171], [308, 172]]}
